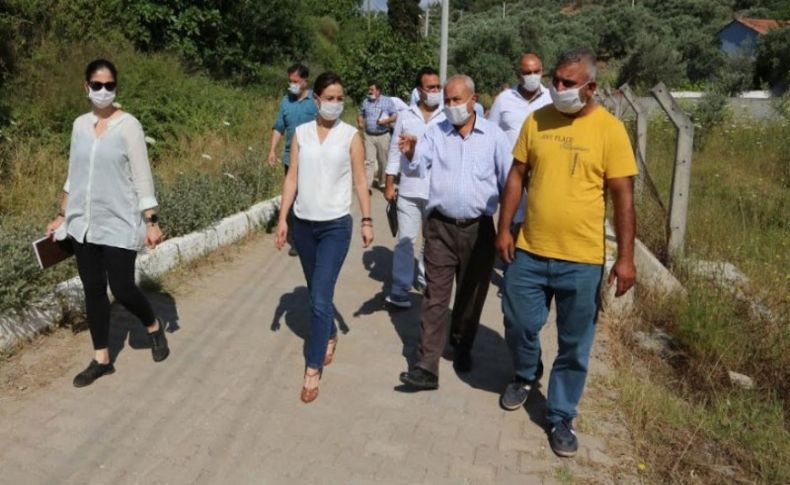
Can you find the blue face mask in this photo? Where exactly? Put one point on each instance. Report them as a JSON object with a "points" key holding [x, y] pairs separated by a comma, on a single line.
{"points": [[371, 97]]}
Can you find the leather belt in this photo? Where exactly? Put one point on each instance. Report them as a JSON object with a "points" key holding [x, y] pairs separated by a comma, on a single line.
{"points": [[456, 222]]}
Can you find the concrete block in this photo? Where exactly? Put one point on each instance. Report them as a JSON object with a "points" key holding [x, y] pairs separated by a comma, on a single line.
{"points": [[212, 240], [261, 213], [231, 229], [651, 274], [191, 247], [157, 261], [19, 325]]}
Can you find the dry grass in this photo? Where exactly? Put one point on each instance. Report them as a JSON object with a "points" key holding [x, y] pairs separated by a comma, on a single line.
{"points": [[689, 423]]}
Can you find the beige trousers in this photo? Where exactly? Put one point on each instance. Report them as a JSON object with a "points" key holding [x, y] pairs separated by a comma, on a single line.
{"points": [[377, 149]]}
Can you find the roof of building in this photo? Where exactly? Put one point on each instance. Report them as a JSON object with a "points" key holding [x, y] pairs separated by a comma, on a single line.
{"points": [[761, 26]]}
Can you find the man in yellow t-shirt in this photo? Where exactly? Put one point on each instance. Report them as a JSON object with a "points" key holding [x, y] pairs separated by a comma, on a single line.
{"points": [[568, 155]]}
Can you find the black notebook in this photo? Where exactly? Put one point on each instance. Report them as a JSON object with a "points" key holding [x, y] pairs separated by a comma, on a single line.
{"points": [[50, 253]]}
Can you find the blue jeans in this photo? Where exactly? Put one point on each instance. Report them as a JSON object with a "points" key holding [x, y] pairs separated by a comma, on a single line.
{"points": [[322, 248], [530, 283]]}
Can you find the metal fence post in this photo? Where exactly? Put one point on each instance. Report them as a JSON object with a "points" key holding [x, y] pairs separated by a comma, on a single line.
{"points": [[681, 172]]}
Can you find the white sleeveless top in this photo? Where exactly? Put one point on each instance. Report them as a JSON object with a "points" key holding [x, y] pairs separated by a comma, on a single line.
{"points": [[323, 190]]}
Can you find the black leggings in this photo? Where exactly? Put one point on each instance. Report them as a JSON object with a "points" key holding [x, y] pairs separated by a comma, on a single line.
{"points": [[97, 264]]}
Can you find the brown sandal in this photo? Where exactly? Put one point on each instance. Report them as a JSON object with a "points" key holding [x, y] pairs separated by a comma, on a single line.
{"points": [[310, 395], [331, 346]]}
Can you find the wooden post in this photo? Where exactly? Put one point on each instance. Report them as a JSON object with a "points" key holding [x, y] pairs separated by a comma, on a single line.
{"points": [[681, 172], [641, 134]]}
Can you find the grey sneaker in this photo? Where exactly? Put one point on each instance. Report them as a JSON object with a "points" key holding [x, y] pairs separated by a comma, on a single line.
{"points": [[563, 439], [515, 394], [402, 302]]}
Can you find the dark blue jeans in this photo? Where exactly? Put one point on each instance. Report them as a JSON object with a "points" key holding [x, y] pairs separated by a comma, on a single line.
{"points": [[531, 282], [322, 248]]}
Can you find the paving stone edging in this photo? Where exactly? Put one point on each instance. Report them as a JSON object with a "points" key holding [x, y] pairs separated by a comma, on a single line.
{"points": [[66, 298]]}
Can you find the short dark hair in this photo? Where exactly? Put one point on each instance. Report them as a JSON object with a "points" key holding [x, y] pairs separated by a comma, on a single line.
{"points": [[375, 83], [324, 80], [579, 54], [300, 69], [98, 65], [424, 71]]}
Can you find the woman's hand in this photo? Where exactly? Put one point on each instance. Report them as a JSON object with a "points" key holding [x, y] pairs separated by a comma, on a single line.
{"points": [[153, 235], [367, 235], [53, 226], [282, 234]]}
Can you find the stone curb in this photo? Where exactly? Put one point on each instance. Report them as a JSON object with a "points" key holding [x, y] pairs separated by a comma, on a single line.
{"points": [[651, 276], [66, 298]]}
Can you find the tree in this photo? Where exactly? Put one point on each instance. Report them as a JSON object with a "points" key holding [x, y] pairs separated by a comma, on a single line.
{"points": [[379, 54], [652, 61], [773, 57], [404, 18], [227, 38]]}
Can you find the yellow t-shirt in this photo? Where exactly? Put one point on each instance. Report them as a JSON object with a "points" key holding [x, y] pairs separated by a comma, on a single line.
{"points": [[569, 160]]}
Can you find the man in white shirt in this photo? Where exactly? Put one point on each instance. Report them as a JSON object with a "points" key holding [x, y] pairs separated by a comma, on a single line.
{"points": [[513, 105], [412, 194]]}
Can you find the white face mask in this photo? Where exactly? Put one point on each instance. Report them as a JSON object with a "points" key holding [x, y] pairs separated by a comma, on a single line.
{"points": [[294, 88], [531, 82], [433, 99], [567, 101], [330, 110], [101, 98], [457, 115]]}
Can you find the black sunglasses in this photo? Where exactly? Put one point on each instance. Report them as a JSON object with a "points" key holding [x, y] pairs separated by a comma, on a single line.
{"points": [[96, 85]]}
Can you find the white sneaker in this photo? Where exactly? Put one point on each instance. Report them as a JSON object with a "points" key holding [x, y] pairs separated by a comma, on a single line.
{"points": [[404, 302]]}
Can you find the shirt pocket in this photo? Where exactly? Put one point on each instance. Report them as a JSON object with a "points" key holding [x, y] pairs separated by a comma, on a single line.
{"points": [[484, 166]]}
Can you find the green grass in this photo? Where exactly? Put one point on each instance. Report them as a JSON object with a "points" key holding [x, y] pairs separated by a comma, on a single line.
{"points": [[690, 424]]}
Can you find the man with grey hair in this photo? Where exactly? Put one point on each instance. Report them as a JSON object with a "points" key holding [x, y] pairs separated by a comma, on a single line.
{"points": [[468, 158], [568, 155]]}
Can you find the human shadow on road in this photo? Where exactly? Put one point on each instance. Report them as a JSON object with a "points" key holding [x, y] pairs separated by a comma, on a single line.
{"points": [[124, 325], [378, 263], [406, 323], [294, 308]]}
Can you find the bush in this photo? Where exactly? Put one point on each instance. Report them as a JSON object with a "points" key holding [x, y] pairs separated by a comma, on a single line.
{"points": [[21, 280], [193, 201]]}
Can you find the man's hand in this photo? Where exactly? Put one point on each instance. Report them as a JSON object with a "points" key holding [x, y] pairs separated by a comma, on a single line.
{"points": [[272, 160], [505, 246], [406, 145], [624, 272], [390, 194], [281, 234]]}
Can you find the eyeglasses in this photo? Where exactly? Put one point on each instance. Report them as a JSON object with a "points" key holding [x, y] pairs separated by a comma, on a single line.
{"points": [[96, 85]]}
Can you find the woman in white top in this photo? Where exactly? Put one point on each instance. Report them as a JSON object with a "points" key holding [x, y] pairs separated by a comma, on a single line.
{"points": [[325, 155], [108, 212]]}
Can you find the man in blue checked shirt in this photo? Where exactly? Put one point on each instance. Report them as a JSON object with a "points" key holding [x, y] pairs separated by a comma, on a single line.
{"points": [[468, 158], [376, 116]]}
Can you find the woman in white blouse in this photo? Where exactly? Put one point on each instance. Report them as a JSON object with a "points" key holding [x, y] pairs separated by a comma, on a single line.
{"points": [[325, 155], [108, 212]]}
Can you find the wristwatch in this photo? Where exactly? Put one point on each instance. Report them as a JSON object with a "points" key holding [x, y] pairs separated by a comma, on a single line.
{"points": [[154, 219]]}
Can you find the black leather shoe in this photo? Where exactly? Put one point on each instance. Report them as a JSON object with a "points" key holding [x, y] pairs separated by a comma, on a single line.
{"points": [[159, 348], [420, 378], [92, 372], [462, 361]]}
